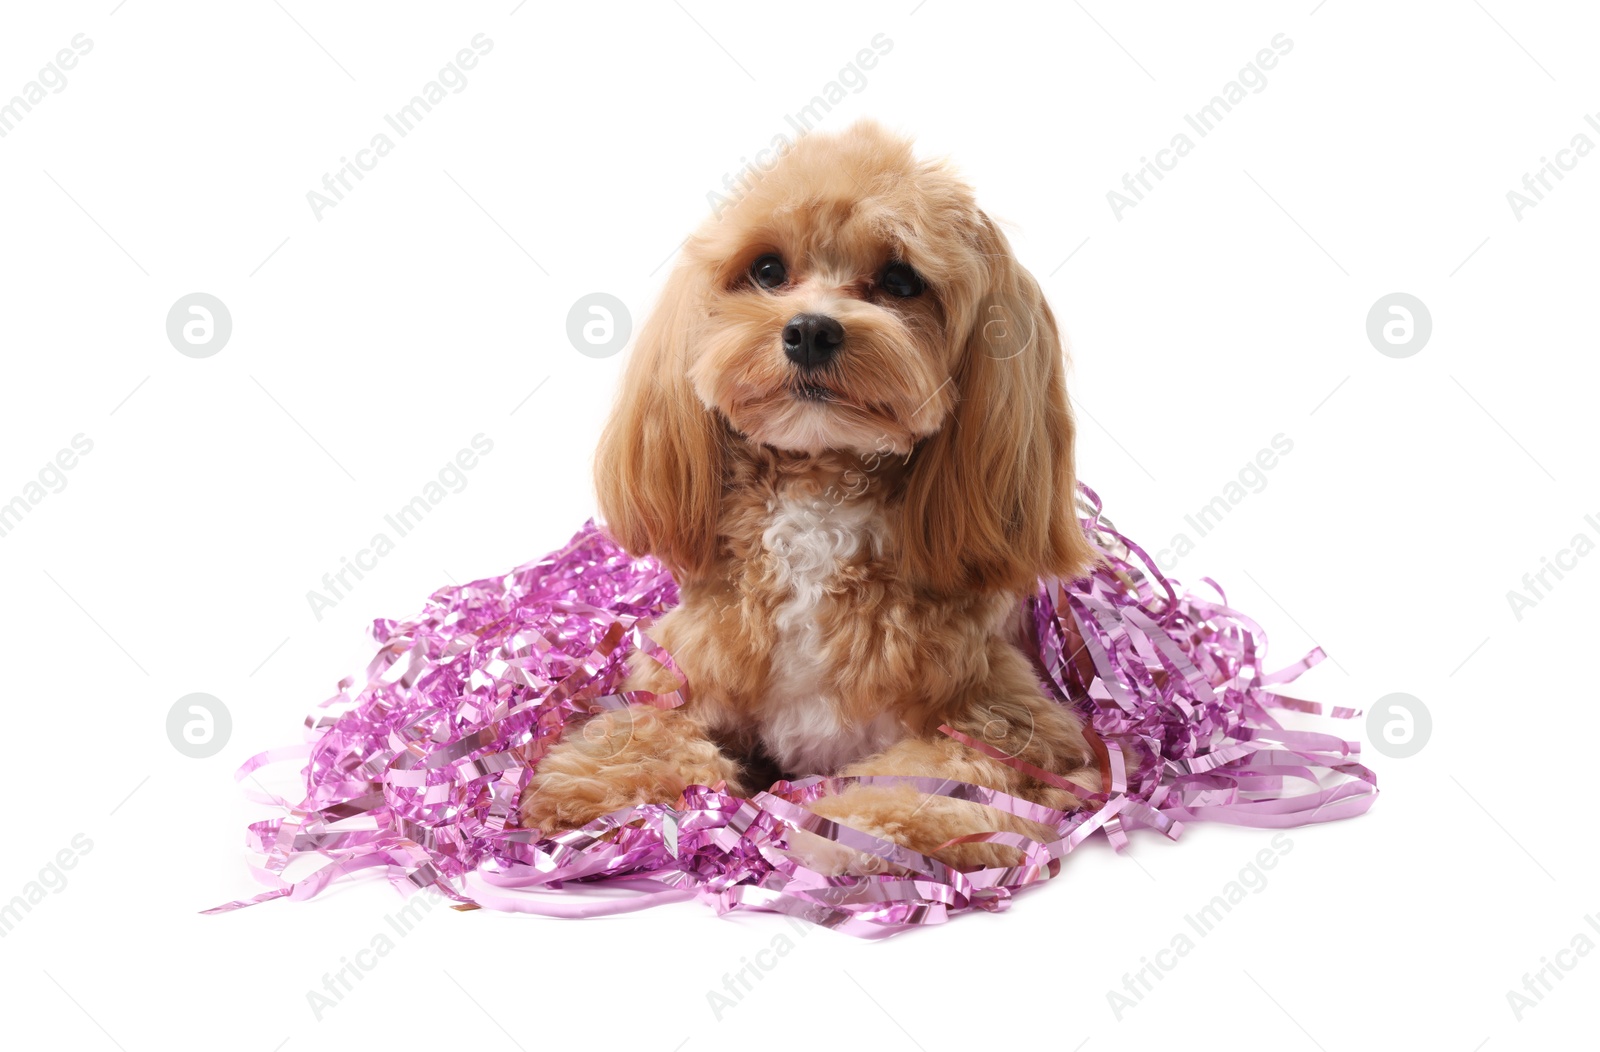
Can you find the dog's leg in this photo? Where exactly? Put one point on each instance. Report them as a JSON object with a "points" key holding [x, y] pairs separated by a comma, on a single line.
{"points": [[1008, 714], [622, 757]]}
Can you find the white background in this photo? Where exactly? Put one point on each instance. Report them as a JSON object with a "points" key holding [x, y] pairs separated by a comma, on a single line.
{"points": [[368, 346]]}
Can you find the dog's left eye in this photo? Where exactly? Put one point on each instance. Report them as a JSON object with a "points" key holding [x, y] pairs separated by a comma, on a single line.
{"points": [[769, 271], [900, 280]]}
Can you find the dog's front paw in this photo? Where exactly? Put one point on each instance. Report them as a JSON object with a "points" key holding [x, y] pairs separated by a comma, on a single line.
{"points": [[558, 800], [927, 825], [833, 859], [543, 810], [617, 759]]}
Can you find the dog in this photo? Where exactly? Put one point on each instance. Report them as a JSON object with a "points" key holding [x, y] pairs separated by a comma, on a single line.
{"points": [[845, 430]]}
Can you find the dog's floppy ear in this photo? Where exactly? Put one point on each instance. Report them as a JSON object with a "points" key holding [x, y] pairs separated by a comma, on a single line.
{"points": [[660, 464], [990, 502]]}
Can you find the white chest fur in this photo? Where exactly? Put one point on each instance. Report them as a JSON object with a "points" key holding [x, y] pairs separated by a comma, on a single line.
{"points": [[806, 541]]}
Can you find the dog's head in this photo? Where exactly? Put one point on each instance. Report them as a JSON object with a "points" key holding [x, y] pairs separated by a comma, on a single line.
{"points": [[855, 299]]}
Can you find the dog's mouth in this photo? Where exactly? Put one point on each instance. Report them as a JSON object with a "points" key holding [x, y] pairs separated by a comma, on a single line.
{"points": [[808, 391]]}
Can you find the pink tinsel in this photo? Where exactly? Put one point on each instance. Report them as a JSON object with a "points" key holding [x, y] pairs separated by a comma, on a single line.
{"points": [[421, 770]]}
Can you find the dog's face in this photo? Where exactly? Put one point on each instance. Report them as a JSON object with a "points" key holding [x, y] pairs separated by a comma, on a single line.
{"points": [[854, 299], [838, 292]]}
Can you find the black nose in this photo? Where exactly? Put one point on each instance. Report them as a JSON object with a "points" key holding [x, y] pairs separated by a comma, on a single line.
{"points": [[811, 340]]}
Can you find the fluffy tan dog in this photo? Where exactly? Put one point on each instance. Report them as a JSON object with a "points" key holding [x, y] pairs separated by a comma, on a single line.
{"points": [[845, 430]]}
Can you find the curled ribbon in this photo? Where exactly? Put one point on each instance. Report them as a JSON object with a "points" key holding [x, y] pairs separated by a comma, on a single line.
{"points": [[420, 771]]}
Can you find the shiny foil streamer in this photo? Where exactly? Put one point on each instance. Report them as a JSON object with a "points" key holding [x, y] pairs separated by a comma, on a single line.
{"points": [[419, 771]]}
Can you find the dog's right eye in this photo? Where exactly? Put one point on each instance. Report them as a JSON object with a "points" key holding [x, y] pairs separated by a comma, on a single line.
{"points": [[769, 272]]}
